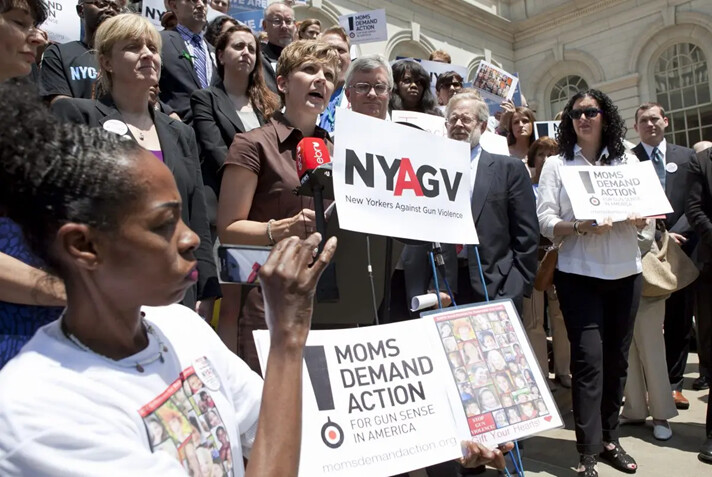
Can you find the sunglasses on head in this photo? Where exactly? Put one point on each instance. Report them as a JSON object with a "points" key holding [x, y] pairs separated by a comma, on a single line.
{"points": [[590, 113]]}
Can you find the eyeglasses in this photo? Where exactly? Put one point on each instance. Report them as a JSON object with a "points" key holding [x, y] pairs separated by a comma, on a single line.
{"points": [[277, 21], [381, 89], [465, 120], [590, 113], [102, 4], [454, 84]]}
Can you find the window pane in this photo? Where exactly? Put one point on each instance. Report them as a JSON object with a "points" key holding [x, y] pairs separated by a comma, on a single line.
{"points": [[564, 89], [683, 89], [693, 136], [707, 133]]}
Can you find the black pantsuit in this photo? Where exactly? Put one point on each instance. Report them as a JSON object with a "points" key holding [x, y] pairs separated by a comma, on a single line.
{"points": [[599, 316], [678, 331]]}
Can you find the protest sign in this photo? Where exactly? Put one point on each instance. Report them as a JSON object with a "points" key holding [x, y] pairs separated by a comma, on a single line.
{"points": [[365, 27], [614, 191], [388, 399], [495, 84], [502, 395], [427, 122], [546, 128], [398, 181], [237, 6], [251, 18], [62, 24], [152, 10], [373, 400]]}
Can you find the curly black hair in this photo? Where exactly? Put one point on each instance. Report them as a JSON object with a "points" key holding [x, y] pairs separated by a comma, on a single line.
{"points": [[53, 173], [427, 104], [613, 132], [212, 32], [38, 8]]}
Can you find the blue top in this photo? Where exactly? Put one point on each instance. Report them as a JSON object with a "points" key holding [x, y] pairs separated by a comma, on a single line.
{"points": [[326, 120], [19, 322]]}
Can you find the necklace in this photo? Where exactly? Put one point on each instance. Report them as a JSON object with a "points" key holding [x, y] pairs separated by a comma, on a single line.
{"points": [[140, 135], [139, 365]]}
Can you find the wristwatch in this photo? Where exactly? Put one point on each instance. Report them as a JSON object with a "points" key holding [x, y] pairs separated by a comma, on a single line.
{"points": [[576, 228]]}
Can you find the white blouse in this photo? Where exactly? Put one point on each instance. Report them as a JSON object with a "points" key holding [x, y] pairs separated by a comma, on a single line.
{"points": [[608, 256]]}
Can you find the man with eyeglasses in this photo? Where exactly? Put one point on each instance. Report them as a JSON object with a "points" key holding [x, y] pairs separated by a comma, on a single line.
{"points": [[369, 82], [70, 70], [188, 61], [504, 210], [280, 27]]}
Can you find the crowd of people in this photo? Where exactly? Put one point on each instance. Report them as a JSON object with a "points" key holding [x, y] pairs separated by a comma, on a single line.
{"points": [[130, 155]]}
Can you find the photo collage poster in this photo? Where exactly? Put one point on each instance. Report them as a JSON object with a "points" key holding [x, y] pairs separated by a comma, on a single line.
{"points": [[502, 391]]}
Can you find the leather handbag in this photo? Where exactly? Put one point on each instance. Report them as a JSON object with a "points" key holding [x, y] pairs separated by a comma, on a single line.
{"points": [[667, 270], [545, 273]]}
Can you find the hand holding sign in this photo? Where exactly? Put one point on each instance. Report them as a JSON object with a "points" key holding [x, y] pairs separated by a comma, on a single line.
{"points": [[477, 454], [288, 284]]}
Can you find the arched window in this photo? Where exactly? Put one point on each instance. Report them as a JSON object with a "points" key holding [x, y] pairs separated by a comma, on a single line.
{"points": [[682, 87], [563, 90]]}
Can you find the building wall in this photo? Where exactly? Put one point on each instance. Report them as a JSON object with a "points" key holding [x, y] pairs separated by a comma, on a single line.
{"points": [[612, 44]]}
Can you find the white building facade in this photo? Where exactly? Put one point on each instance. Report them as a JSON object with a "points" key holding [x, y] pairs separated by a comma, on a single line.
{"points": [[633, 50]]}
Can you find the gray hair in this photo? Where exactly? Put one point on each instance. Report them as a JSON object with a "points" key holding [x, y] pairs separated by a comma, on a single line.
{"points": [[369, 63], [480, 109]]}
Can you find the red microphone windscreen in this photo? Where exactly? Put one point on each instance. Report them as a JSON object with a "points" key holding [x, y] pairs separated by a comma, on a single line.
{"points": [[311, 153]]}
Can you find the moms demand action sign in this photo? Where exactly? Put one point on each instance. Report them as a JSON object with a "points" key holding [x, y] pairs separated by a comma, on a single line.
{"points": [[615, 191], [398, 181], [373, 401], [388, 399]]}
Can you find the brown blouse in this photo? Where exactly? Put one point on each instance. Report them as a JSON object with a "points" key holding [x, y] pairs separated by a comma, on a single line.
{"points": [[270, 152]]}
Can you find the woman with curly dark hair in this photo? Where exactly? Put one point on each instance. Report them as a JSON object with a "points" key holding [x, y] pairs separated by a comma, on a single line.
{"points": [[217, 27], [598, 278], [411, 89]]}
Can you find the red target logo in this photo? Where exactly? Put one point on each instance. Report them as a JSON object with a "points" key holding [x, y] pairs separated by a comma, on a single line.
{"points": [[332, 434]]}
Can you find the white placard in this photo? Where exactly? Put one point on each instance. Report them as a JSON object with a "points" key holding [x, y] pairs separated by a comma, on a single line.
{"points": [[614, 191], [373, 402], [501, 393], [494, 143], [384, 400], [63, 24], [365, 27], [152, 10], [398, 181], [546, 128], [427, 122]]}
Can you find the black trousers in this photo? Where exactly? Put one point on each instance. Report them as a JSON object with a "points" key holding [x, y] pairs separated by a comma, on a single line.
{"points": [[678, 332], [703, 317], [599, 316]]}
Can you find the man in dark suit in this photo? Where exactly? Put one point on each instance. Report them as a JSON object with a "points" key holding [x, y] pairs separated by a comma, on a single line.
{"points": [[699, 212], [671, 163], [504, 210], [188, 61], [280, 27]]}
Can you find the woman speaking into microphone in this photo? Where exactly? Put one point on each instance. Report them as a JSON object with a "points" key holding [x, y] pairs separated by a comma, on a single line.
{"points": [[257, 204]]}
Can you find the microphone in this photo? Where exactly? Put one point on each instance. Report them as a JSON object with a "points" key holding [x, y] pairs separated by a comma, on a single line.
{"points": [[311, 153]]}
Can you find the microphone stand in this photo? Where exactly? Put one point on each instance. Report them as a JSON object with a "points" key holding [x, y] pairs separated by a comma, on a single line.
{"points": [[318, 191]]}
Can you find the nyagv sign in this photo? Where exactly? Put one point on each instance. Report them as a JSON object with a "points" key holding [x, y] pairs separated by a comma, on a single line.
{"points": [[398, 181]]}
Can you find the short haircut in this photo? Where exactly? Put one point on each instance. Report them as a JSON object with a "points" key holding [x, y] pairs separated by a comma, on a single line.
{"points": [[448, 77], [306, 24], [441, 56], [272, 7], [369, 63], [301, 51], [337, 30], [481, 110], [127, 26], [543, 144], [649, 105], [38, 8]]}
